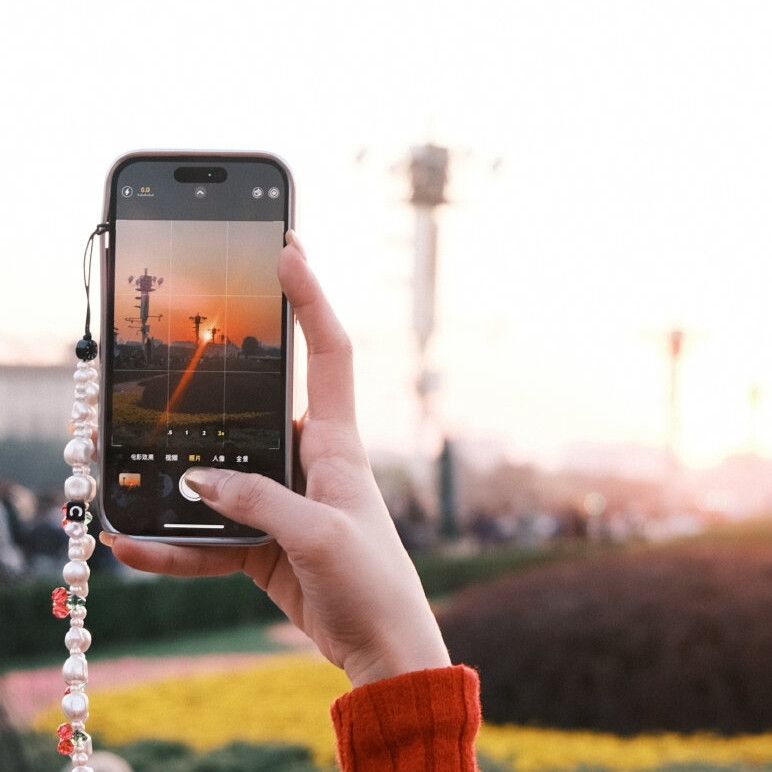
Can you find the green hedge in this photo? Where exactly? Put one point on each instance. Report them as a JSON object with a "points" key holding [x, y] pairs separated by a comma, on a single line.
{"points": [[444, 573], [31, 752], [124, 611], [159, 756]]}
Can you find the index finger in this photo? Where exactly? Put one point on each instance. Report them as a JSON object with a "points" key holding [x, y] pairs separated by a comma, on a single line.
{"points": [[330, 355]]}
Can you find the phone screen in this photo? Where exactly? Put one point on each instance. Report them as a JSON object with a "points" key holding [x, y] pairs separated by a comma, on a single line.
{"points": [[196, 339]]}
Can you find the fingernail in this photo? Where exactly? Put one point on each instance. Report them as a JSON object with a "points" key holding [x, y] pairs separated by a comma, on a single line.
{"points": [[294, 241], [203, 480], [108, 539]]}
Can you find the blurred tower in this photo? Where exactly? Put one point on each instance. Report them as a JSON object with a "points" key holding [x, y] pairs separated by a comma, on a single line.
{"points": [[428, 175]]}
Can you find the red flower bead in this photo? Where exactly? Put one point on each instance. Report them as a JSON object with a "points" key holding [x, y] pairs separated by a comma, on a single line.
{"points": [[65, 731], [65, 747], [60, 611], [59, 595]]}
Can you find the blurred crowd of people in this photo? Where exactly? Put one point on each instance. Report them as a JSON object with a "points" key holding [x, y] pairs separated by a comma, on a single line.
{"points": [[32, 541]]}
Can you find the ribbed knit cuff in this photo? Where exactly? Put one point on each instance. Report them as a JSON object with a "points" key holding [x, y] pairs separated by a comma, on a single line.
{"points": [[421, 721]]}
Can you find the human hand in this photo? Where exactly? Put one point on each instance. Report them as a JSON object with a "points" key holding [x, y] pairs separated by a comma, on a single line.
{"points": [[336, 565]]}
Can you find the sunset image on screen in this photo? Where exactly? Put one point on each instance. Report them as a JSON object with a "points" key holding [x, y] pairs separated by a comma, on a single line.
{"points": [[186, 283], [198, 327]]}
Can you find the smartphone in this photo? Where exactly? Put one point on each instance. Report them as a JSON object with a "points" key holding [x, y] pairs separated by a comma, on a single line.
{"points": [[196, 354]]}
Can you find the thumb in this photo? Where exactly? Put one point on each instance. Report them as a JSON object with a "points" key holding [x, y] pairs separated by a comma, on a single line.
{"points": [[254, 500]]}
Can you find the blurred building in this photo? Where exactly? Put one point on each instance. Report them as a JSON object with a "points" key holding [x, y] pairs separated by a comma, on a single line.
{"points": [[35, 401]]}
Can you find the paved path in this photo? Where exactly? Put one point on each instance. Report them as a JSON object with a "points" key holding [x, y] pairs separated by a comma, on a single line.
{"points": [[27, 692]]}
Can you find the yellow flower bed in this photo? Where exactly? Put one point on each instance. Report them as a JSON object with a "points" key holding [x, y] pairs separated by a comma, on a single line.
{"points": [[539, 750], [287, 699]]}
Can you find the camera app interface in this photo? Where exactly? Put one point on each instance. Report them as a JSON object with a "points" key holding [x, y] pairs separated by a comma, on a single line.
{"points": [[198, 373]]}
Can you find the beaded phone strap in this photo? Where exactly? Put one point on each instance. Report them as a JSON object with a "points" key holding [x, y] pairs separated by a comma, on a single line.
{"points": [[79, 489]]}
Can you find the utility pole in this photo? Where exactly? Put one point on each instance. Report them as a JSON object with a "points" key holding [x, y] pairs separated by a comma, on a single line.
{"points": [[673, 484], [675, 350], [197, 319]]}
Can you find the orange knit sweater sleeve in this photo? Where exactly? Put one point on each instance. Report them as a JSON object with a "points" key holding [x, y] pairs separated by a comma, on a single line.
{"points": [[416, 722]]}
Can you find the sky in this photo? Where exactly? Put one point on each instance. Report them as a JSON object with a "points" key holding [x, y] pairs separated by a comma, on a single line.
{"points": [[186, 259], [610, 181]]}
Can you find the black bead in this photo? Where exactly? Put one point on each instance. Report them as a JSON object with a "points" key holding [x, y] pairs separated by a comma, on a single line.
{"points": [[86, 349], [76, 511]]}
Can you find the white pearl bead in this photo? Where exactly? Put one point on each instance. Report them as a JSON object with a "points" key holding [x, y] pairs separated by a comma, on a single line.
{"points": [[81, 589], [79, 758], [75, 529], [80, 411], [75, 670], [81, 548], [80, 487], [78, 451], [76, 572], [75, 706], [80, 375], [89, 545], [77, 638], [91, 393], [78, 613], [84, 768]]}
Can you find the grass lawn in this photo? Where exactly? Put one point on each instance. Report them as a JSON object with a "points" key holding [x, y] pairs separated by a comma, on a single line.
{"points": [[248, 638]]}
